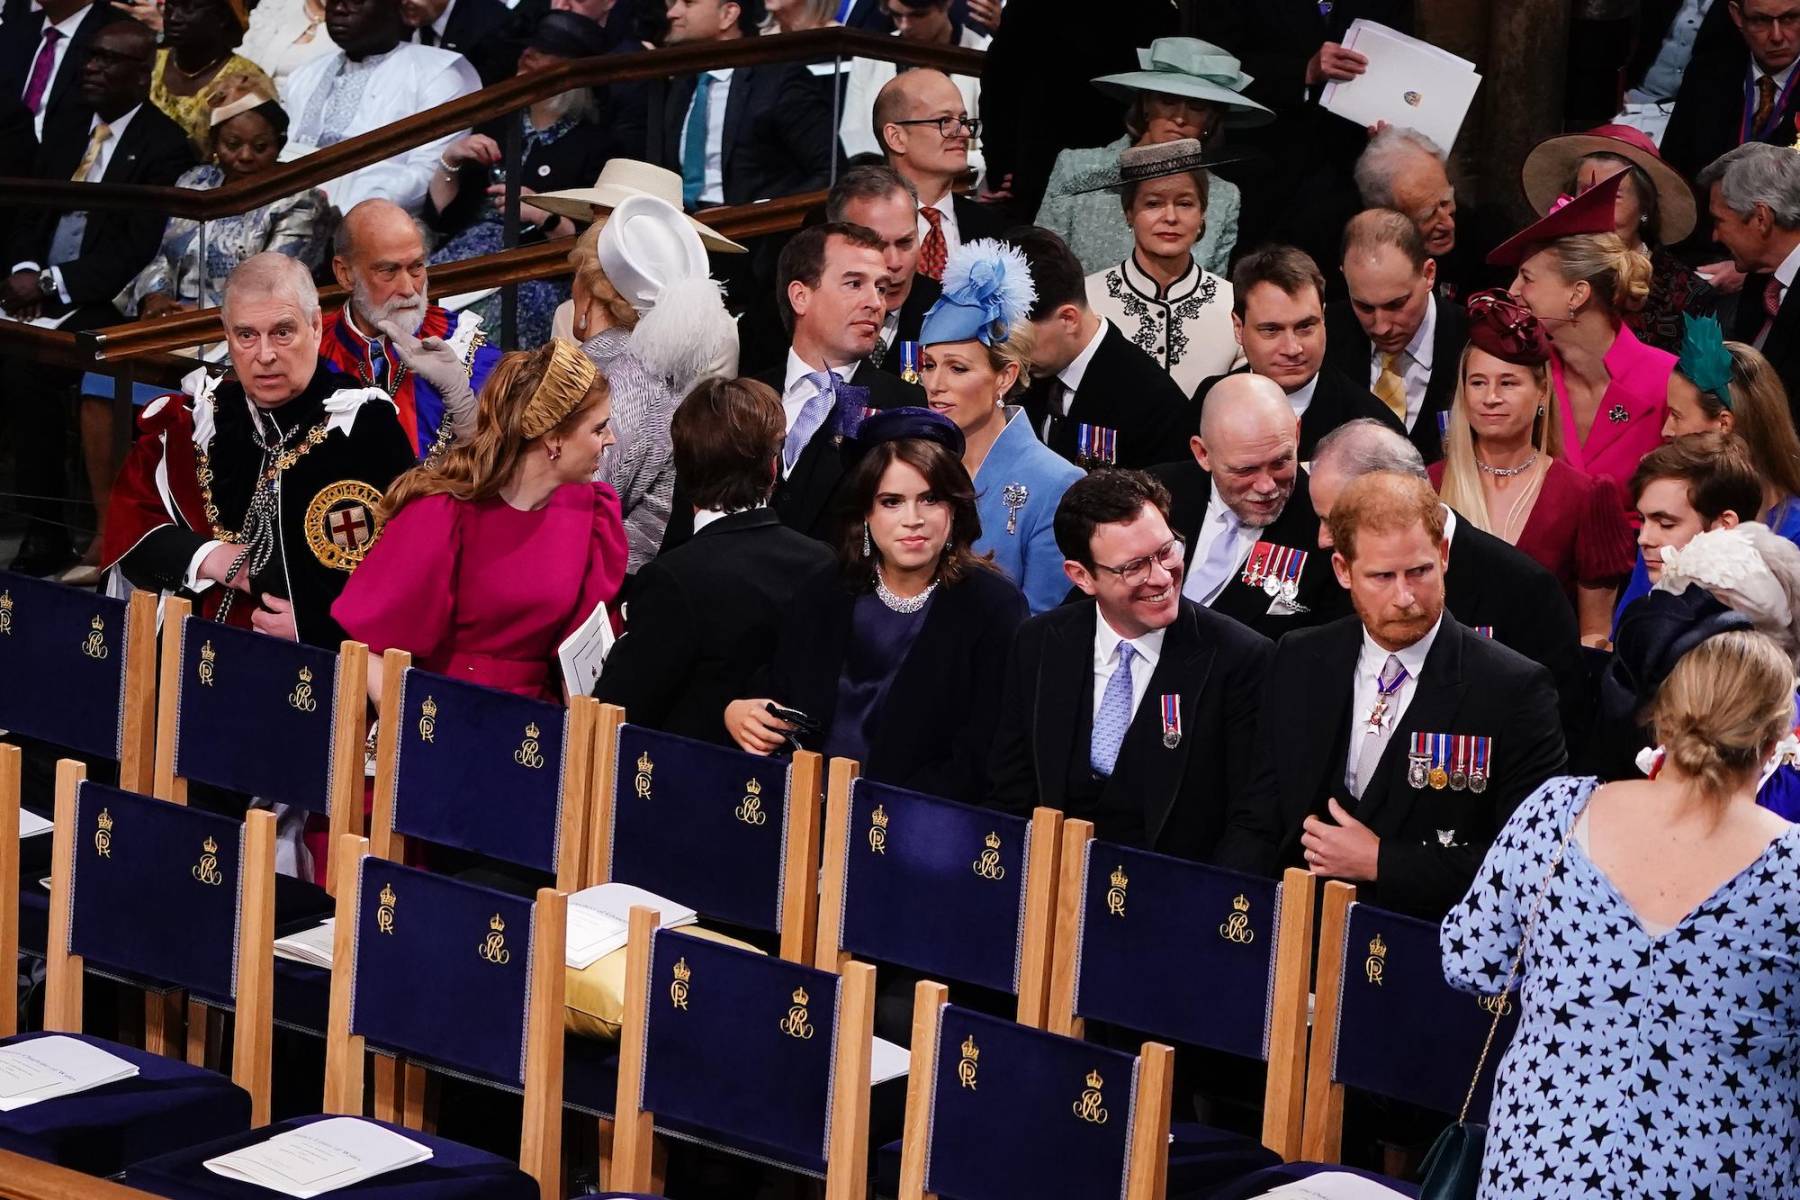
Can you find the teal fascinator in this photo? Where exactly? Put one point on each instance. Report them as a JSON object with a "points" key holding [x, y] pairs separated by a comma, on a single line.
{"points": [[987, 286], [1704, 360]]}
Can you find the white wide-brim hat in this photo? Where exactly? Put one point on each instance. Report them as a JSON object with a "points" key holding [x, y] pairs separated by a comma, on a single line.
{"points": [[620, 179], [647, 244]]}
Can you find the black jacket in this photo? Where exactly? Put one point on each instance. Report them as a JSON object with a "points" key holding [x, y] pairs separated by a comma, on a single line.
{"points": [[778, 138], [1123, 389], [1213, 664], [117, 244], [1432, 841], [1712, 106], [942, 705], [1782, 347], [1347, 352], [1297, 528], [703, 619], [22, 34], [925, 292], [1335, 401], [803, 500], [477, 29]]}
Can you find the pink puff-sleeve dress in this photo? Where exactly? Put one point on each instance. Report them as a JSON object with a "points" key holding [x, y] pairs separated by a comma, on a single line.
{"points": [[1629, 422], [483, 591]]}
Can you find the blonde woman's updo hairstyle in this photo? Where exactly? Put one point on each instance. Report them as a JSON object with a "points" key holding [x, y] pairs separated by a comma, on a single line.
{"points": [[529, 395], [591, 278], [1618, 274], [1016, 351], [1723, 708]]}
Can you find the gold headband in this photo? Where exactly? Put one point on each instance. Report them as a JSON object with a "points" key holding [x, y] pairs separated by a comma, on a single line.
{"points": [[567, 381]]}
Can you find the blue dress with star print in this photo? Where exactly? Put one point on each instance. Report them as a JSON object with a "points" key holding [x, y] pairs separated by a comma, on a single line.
{"points": [[1643, 1066]]}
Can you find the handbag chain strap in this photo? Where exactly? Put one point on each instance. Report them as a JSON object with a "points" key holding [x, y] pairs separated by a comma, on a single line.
{"points": [[1512, 973]]}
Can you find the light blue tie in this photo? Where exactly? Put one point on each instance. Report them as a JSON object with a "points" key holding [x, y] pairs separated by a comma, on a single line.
{"points": [[812, 416], [1212, 573], [693, 145], [1113, 716]]}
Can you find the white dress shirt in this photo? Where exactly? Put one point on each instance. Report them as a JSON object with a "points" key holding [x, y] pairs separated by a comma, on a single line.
{"points": [[1784, 275], [1363, 691], [867, 76], [945, 206], [1301, 397], [1780, 77], [438, 26], [1414, 363], [1106, 660], [797, 389], [60, 51], [712, 190], [1219, 522], [1070, 377], [96, 173]]}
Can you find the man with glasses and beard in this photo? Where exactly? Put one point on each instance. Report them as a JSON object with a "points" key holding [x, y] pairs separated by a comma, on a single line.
{"points": [[1136, 708], [389, 335], [1399, 741]]}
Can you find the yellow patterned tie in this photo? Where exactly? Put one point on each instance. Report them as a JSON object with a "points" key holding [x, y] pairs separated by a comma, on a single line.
{"points": [[101, 135], [1390, 386]]}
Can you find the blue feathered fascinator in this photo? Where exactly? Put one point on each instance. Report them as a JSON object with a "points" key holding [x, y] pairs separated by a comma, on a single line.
{"points": [[1704, 361], [987, 286]]}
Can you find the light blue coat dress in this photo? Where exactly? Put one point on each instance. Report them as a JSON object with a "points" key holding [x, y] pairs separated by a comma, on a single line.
{"points": [[1094, 225], [1017, 489]]}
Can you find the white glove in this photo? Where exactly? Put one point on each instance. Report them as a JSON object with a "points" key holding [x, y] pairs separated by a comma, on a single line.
{"points": [[437, 364]]}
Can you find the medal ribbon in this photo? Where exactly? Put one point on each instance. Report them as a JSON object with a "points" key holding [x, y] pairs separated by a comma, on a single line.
{"points": [[1171, 715]]}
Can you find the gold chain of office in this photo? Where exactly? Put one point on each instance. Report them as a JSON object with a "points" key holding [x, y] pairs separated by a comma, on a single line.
{"points": [[287, 458]]}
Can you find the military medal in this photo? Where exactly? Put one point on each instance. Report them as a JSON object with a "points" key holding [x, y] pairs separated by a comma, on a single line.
{"points": [[1440, 754], [1171, 720], [1486, 631], [1459, 762], [1096, 445], [1478, 774], [1617, 414], [1013, 496], [1446, 838], [1271, 584], [1418, 761], [1256, 567], [1290, 582], [909, 361]]}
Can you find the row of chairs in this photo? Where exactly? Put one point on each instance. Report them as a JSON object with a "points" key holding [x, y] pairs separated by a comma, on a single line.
{"points": [[1073, 928]]}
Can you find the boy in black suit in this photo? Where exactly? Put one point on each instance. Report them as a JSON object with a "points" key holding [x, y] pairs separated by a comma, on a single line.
{"points": [[1404, 741], [1135, 708], [1095, 398], [703, 617]]}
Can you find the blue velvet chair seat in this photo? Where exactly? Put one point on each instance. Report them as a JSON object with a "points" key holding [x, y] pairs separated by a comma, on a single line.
{"points": [[1202, 1157], [104, 1130], [453, 1172], [1273, 1177], [302, 996]]}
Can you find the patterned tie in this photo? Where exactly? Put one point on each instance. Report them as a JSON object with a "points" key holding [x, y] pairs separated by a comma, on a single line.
{"points": [[1212, 573], [39, 83], [101, 135], [1390, 385], [1765, 103], [1393, 674], [813, 415], [1771, 308], [693, 146], [935, 251], [1113, 716]]}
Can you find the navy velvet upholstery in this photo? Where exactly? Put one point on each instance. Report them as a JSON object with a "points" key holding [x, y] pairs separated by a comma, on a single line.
{"points": [[488, 778], [702, 823], [434, 979], [1177, 949], [62, 655], [103, 1130], [453, 1172], [156, 889], [243, 693], [738, 1048], [1411, 1036], [924, 889], [1013, 1125]]}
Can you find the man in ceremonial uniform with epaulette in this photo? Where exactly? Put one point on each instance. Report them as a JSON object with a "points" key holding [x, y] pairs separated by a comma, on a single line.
{"points": [[260, 495]]}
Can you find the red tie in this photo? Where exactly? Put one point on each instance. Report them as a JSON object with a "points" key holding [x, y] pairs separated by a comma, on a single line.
{"points": [[935, 251], [39, 82], [1771, 306]]}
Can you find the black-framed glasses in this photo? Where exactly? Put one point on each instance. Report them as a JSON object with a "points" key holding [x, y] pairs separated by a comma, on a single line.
{"points": [[1168, 556], [948, 127]]}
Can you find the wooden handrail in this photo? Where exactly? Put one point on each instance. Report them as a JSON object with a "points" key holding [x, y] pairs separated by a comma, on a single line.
{"points": [[24, 1178], [289, 178]]}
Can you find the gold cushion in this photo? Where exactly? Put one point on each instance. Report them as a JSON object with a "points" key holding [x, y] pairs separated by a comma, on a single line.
{"points": [[594, 998]]}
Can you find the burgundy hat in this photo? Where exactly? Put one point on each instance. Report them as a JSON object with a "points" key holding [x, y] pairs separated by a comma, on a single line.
{"points": [[1590, 212], [1507, 329], [1552, 162]]}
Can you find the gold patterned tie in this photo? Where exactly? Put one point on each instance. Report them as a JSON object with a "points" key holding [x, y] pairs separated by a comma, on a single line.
{"points": [[101, 135], [1390, 385]]}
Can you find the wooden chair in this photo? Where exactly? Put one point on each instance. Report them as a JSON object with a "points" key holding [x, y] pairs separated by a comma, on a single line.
{"points": [[405, 941], [760, 1056], [996, 1110], [1196, 954], [952, 891], [734, 836], [159, 896]]}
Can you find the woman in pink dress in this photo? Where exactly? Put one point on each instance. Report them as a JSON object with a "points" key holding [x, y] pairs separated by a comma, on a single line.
{"points": [[488, 561], [1579, 279]]}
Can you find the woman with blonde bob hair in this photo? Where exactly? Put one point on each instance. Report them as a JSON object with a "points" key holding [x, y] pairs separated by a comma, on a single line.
{"points": [[1619, 915], [490, 559], [1503, 468]]}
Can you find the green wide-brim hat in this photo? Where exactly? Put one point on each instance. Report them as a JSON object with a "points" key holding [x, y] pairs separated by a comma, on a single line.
{"points": [[1181, 66]]}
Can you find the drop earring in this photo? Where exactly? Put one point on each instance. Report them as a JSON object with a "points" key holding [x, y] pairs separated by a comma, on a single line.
{"points": [[554, 452], [1540, 410], [868, 547]]}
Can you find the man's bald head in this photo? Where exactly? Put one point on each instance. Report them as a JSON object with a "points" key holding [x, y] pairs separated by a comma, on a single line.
{"points": [[921, 152], [1352, 450], [379, 255], [1249, 442]]}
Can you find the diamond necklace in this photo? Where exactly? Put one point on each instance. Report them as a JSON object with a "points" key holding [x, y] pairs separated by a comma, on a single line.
{"points": [[902, 604], [1508, 472]]}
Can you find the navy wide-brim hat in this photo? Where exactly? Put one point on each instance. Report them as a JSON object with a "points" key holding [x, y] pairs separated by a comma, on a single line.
{"points": [[1656, 631], [898, 424]]}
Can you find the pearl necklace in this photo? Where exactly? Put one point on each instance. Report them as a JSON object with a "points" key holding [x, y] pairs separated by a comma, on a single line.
{"points": [[902, 604], [1508, 472]]}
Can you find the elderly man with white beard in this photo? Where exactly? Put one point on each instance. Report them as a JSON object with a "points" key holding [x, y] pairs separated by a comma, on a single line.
{"points": [[1241, 505], [390, 336]]}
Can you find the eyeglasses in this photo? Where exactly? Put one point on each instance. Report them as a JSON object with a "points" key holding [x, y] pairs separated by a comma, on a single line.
{"points": [[947, 127], [1168, 556], [1764, 22]]}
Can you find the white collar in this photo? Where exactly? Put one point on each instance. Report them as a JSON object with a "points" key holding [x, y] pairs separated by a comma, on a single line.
{"points": [[1072, 374], [1790, 266], [117, 124], [1217, 510], [1420, 346], [1139, 281], [1412, 657], [1780, 77], [1302, 396], [798, 368], [1107, 639], [69, 24], [706, 516], [1449, 524]]}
